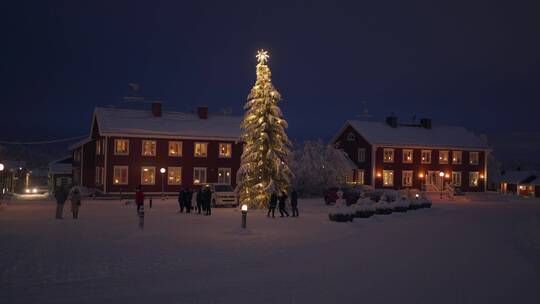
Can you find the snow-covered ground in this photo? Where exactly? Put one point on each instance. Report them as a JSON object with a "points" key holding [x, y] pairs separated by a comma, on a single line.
{"points": [[483, 251]]}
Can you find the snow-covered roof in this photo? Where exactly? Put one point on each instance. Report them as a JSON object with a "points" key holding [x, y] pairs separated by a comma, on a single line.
{"points": [[380, 133], [61, 166], [521, 177], [128, 122]]}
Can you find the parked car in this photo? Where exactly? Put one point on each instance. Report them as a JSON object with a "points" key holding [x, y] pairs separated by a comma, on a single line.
{"points": [[223, 195]]}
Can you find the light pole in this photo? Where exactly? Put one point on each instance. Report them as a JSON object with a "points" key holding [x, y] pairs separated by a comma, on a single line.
{"points": [[244, 216], [162, 170], [2, 167], [441, 174]]}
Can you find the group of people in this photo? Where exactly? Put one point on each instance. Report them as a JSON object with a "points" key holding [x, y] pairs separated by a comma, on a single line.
{"points": [[62, 194], [280, 202], [203, 200]]}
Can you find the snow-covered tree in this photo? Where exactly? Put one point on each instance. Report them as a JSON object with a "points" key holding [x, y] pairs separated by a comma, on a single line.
{"points": [[318, 166], [264, 168]]}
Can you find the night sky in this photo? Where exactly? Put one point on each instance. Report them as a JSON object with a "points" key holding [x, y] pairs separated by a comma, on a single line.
{"points": [[470, 63]]}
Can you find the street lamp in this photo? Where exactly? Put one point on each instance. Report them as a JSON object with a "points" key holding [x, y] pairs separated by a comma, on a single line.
{"points": [[441, 174], [244, 216], [162, 170]]}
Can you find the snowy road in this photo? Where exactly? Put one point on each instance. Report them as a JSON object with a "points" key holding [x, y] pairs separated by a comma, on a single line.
{"points": [[478, 252]]}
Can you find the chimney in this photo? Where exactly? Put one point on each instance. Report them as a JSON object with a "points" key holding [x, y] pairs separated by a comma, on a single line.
{"points": [[425, 123], [156, 108], [392, 121], [202, 112]]}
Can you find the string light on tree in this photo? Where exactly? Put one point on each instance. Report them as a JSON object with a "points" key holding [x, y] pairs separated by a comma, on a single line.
{"points": [[264, 168]]}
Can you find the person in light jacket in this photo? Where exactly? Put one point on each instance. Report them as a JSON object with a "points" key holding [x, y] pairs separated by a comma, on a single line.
{"points": [[75, 198]]}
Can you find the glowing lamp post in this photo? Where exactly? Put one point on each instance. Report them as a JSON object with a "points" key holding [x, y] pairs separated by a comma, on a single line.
{"points": [[2, 167], [244, 216], [162, 170], [441, 174]]}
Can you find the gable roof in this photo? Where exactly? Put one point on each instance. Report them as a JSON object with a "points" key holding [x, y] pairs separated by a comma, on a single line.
{"points": [[379, 133], [140, 123], [521, 177]]}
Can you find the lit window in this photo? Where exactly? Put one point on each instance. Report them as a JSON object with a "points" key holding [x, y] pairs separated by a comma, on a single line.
{"points": [[456, 178], [199, 175], [473, 179], [175, 148], [443, 157], [148, 175], [121, 146], [99, 148], [224, 176], [361, 155], [201, 149], [407, 178], [360, 177], [473, 158], [407, 156], [225, 150], [388, 178], [174, 176], [456, 157], [120, 175], [149, 148], [426, 157], [388, 155]]}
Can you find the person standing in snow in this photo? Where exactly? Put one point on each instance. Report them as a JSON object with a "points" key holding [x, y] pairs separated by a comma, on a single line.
{"points": [[75, 197], [282, 200], [181, 195], [272, 205], [139, 198], [207, 201], [61, 196], [199, 199], [294, 203]]}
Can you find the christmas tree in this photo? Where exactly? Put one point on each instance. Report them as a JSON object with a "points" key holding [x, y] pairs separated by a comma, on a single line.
{"points": [[264, 168]]}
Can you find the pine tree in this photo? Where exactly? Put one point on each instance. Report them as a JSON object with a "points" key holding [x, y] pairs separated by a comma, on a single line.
{"points": [[264, 168]]}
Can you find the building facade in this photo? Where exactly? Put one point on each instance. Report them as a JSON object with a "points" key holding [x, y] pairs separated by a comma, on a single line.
{"points": [[127, 148], [400, 156]]}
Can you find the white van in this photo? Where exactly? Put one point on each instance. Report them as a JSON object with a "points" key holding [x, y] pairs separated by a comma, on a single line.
{"points": [[223, 194]]}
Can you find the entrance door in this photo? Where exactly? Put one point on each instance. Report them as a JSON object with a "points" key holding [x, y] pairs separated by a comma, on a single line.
{"points": [[431, 178]]}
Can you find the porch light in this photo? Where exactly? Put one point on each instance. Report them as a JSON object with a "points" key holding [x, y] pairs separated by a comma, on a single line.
{"points": [[447, 175], [482, 176], [421, 175], [379, 174], [1, 167]]}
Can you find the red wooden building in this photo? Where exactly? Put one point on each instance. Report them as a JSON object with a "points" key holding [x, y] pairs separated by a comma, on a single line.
{"points": [[392, 155], [127, 148]]}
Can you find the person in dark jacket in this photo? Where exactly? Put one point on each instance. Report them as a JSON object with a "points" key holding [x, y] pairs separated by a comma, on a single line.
{"points": [[181, 195], [272, 205], [282, 200], [199, 198], [139, 198], [189, 197], [61, 196], [207, 201], [294, 203]]}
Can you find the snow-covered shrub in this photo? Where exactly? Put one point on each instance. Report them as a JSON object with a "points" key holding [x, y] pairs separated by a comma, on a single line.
{"points": [[317, 167], [364, 208], [418, 199], [383, 206]]}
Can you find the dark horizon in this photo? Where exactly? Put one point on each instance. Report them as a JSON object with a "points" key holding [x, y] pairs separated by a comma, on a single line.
{"points": [[475, 64]]}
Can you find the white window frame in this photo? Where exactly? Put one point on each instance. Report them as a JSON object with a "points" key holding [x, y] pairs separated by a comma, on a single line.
{"points": [[229, 148], [116, 141], [169, 171], [152, 142], [115, 177], [361, 152], [99, 176], [410, 175], [455, 178], [199, 182], [222, 173], [471, 175], [384, 177], [142, 175], [203, 144], [390, 159], [423, 159], [405, 160], [477, 158], [441, 160], [455, 159], [180, 148], [99, 147]]}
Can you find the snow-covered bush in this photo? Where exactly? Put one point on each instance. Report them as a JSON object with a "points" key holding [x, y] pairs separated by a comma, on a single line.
{"points": [[317, 167], [364, 208], [341, 213], [383, 206]]}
